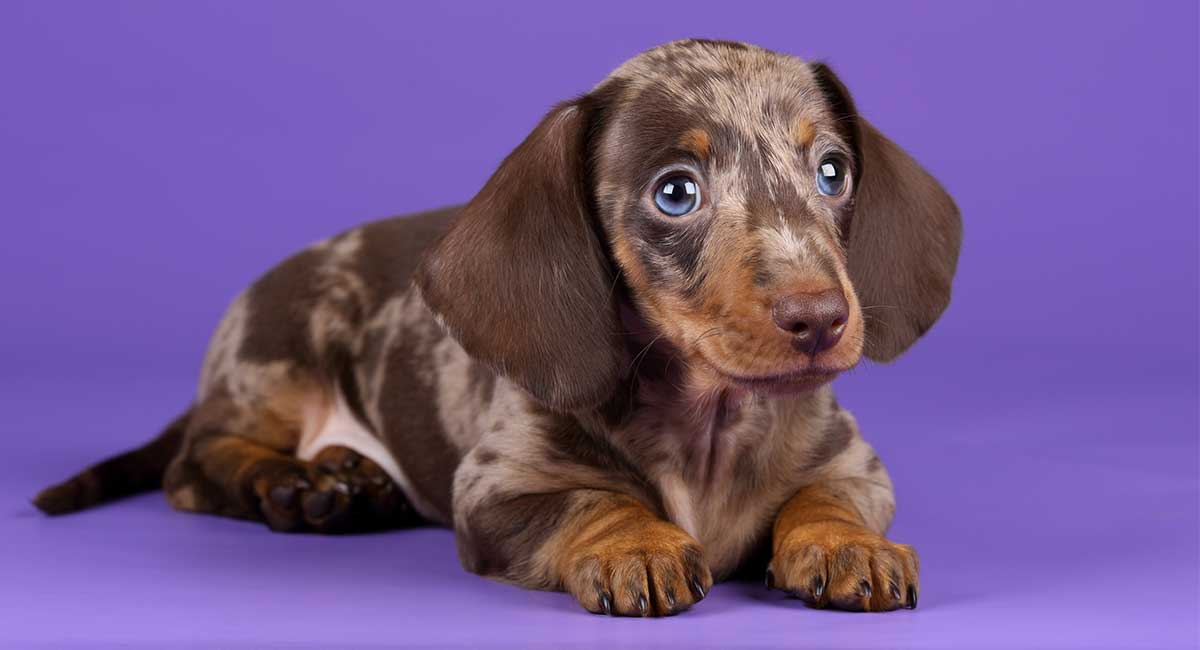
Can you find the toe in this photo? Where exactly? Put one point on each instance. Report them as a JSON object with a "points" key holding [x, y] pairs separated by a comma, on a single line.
{"points": [[317, 505], [670, 592], [327, 507], [630, 588], [278, 488], [801, 573], [886, 576]]}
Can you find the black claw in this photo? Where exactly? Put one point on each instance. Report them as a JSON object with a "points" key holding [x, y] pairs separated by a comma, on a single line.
{"points": [[894, 591], [697, 588], [605, 603], [770, 579], [864, 589], [643, 604], [818, 586], [912, 597], [351, 462]]}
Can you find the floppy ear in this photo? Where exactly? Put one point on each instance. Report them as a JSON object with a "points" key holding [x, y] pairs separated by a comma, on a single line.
{"points": [[903, 236], [520, 278]]}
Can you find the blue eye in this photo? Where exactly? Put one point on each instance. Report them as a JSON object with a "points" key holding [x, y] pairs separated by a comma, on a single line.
{"points": [[677, 195], [831, 177]]}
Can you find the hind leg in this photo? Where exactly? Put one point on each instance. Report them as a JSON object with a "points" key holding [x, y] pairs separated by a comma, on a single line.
{"points": [[339, 491], [352, 494], [239, 460], [234, 476]]}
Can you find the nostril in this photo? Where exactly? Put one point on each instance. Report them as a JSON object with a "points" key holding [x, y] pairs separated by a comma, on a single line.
{"points": [[800, 329], [837, 325]]}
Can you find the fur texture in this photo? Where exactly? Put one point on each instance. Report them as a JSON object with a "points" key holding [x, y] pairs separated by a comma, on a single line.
{"points": [[594, 394]]}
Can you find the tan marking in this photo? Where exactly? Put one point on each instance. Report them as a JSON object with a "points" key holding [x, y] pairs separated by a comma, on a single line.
{"points": [[291, 407], [819, 522], [183, 499], [615, 543], [697, 142], [803, 132], [231, 460]]}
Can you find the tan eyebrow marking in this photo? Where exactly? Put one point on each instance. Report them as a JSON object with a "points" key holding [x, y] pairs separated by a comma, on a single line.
{"points": [[803, 132], [696, 141]]}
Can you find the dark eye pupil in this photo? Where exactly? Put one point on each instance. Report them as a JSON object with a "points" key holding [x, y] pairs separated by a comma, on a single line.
{"points": [[677, 196], [831, 177]]}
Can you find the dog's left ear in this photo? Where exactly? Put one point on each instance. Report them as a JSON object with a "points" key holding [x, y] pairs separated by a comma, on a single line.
{"points": [[520, 279], [903, 236]]}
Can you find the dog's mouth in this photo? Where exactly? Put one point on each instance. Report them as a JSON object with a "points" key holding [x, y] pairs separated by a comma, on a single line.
{"points": [[782, 383]]}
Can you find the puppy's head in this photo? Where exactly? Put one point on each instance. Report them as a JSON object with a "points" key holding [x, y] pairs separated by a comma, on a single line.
{"points": [[758, 224]]}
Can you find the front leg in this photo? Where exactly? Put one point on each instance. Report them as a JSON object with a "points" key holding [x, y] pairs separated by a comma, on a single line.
{"points": [[827, 554], [616, 557], [542, 530]]}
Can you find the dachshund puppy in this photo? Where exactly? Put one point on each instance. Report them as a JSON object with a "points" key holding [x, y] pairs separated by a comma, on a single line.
{"points": [[609, 371]]}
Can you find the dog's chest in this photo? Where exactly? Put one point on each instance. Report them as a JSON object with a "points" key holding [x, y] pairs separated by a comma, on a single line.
{"points": [[710, 475]]}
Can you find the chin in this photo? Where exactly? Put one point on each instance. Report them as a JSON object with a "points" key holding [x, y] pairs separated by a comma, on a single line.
{"points": [[781, 383]]}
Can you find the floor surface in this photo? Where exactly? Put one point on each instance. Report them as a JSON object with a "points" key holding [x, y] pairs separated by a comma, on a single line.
{"points": [[1069, 523]]}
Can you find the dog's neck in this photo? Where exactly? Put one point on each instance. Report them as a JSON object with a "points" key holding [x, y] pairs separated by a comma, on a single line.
{"points": [[673, 407]]}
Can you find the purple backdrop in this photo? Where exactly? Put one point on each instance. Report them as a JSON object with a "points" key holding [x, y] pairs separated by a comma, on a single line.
{"points": [[156, 156]]}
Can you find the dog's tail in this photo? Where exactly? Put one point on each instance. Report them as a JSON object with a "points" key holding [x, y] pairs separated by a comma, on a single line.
{"points": [[137, 470]]}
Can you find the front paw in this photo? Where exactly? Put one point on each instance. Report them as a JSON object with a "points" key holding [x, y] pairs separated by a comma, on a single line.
{"points": [[845, 566], [638, 568]]}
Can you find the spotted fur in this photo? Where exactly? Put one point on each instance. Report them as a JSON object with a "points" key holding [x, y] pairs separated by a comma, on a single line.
{"points": [[591, 393]]}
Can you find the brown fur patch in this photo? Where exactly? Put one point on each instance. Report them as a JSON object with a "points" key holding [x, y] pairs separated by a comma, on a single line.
{"points": [[409, 422], [557, 341], [496, 538]]}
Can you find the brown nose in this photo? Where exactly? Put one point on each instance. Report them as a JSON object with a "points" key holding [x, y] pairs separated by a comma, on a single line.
{"points": [[815, 320]]}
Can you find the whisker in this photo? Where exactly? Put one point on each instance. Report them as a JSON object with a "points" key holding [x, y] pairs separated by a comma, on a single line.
{"points": [[637, 359], [705, 334]]}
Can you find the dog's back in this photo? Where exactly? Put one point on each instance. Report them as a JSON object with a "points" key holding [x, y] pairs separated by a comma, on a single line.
{"points": [[329, 348]]}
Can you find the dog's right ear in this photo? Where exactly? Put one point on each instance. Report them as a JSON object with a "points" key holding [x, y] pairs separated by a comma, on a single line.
{"points": [[520, 279], [904, 235]]}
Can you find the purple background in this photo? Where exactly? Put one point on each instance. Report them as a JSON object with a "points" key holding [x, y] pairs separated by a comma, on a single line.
{"points": [[157, 156]]}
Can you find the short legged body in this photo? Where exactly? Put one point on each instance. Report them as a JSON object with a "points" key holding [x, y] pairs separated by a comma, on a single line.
{"points": [[609, 370]]}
